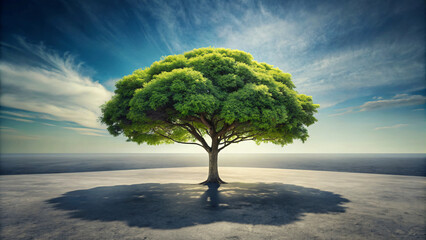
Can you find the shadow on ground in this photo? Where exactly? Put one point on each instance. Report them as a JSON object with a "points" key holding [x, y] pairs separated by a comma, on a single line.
{"points": [[171, 206]]}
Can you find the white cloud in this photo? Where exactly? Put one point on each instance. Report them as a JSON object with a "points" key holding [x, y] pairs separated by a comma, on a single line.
{"points": [[88, 131], [54, 87], [17, 119], [390, 127], [110, 84], [399, 100], [16, 114], [351, 73], [92, 134], [48, 124]]}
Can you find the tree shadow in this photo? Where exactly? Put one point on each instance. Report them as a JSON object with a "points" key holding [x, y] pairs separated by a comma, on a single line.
{"points": [[171, 206]]}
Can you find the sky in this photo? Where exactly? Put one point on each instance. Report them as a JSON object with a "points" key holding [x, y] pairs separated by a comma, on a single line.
{"points": [[362, 61]]}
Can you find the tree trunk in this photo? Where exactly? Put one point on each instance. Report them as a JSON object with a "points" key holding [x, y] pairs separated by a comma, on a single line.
{"points": [[213, 177]]}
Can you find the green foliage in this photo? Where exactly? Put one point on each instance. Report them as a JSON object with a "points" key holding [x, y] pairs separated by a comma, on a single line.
{"points": [[214, 92]]}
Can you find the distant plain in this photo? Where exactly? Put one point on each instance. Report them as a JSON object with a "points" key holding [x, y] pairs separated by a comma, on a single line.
{"points": [[257, 203], [268, 196]]}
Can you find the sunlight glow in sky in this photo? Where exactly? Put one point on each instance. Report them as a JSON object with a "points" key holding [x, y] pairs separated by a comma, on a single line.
{"points": [[362, 61]]}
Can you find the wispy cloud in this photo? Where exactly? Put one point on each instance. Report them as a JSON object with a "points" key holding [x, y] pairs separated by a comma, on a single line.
{"points": [[48, 124], [399, 100], [88, 131], [16, 119], [32, 115], [390, 127], [92, 134], [16, 114], [55, 87], [110, 84]]}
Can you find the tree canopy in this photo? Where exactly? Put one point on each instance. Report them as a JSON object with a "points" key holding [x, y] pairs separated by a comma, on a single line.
{"points": [[210, 92]]}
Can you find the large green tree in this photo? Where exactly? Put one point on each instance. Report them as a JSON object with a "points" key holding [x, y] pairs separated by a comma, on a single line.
{"points": [[212, 98]]}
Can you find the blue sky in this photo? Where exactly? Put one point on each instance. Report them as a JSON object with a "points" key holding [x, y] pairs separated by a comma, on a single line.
{"points": [[363, 61]]}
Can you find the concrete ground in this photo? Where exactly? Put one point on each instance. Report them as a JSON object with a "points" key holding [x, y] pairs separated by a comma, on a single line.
{"points": [[255, 204]]}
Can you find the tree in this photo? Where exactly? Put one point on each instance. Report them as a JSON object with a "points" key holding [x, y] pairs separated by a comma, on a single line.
{"points": [[212, 98]]}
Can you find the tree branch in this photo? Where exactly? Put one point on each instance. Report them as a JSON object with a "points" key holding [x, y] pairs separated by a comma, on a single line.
{"points": [[237, 140], [234, 133], [227, 128], [207, 123], [193, 131], [168, 137]]}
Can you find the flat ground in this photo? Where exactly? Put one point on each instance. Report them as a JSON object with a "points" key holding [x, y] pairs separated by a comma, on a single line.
{"points": [[256, 204]]}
